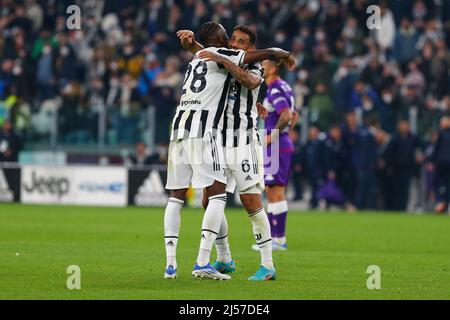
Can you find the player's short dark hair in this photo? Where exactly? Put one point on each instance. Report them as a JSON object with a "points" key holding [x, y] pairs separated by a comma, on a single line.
{"points": [[249, 31], [207, 30]]}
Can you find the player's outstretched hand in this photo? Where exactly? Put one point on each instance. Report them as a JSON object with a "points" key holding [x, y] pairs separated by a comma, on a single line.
{"points": [[210, 56], [262, 112], [186, 35]]}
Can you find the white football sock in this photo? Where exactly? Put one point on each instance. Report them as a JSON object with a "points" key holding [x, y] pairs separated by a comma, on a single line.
{"points": [[171, 229], [261, 230], [222, 245], [210, 227]]}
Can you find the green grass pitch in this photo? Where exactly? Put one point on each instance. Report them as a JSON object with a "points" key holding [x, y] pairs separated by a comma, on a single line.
{"points": [[121, 255]]}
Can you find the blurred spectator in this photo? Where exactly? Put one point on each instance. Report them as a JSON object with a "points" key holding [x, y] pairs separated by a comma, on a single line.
{"points": [[441, 162], [336, 155], [128, 111], [373, 74], [170, 76], [312, 163], [10, 143], [6, 77], [385, 170], [415, 79], [321, 107], [405, 42], [349, 135], [336, 158], [403, 158], [142, 156], [151, 69], [365, 98], [363, 158], [343, 82], [45, 76], [21, 117], [351, 41], [391, 105], [386, 34]]}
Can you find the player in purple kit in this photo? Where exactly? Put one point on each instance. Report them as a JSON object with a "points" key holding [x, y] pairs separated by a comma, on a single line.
{"points": [[279, 103]]}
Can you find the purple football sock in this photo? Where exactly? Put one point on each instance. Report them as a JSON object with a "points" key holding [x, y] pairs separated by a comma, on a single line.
{"points": [[279, 221]]}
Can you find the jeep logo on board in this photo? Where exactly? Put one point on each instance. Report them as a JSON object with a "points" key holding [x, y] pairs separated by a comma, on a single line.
{"points": [[59, 186]]}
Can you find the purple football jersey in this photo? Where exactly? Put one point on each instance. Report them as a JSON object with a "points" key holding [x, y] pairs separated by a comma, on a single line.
{"points": [[279, 96]]}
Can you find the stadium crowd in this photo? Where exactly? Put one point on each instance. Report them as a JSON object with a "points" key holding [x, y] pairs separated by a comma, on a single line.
{"points": [[378, 100]]}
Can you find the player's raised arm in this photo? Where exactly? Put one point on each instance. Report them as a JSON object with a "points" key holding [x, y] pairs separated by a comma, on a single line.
{"points": [[280, 55], [248, 79], [188, 41]]}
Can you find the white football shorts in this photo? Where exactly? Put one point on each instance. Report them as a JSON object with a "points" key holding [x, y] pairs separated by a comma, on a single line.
{"points": [[197, 162], [245, 168]]}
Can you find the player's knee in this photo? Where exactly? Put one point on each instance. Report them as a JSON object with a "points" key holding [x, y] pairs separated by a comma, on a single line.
{"points": [[216, 188], [251, 202], [178, 194], [275, 194]]}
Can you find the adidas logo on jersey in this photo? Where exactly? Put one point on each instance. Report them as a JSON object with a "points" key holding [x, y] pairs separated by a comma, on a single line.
{"points": [[248, 178], [152, 192], [6, 194]]}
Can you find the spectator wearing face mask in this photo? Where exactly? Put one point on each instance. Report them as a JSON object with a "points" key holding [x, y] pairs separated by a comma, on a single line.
{"points": [[365, 98], [343, 82], [391, 105]]}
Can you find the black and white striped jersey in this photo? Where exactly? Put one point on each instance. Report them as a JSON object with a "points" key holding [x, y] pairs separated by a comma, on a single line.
{"points": [[240, 122], [205, 94]]}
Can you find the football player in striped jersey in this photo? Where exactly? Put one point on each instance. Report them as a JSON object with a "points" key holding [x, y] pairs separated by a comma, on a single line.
{"points": [[243, 151], [196, 155]]}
